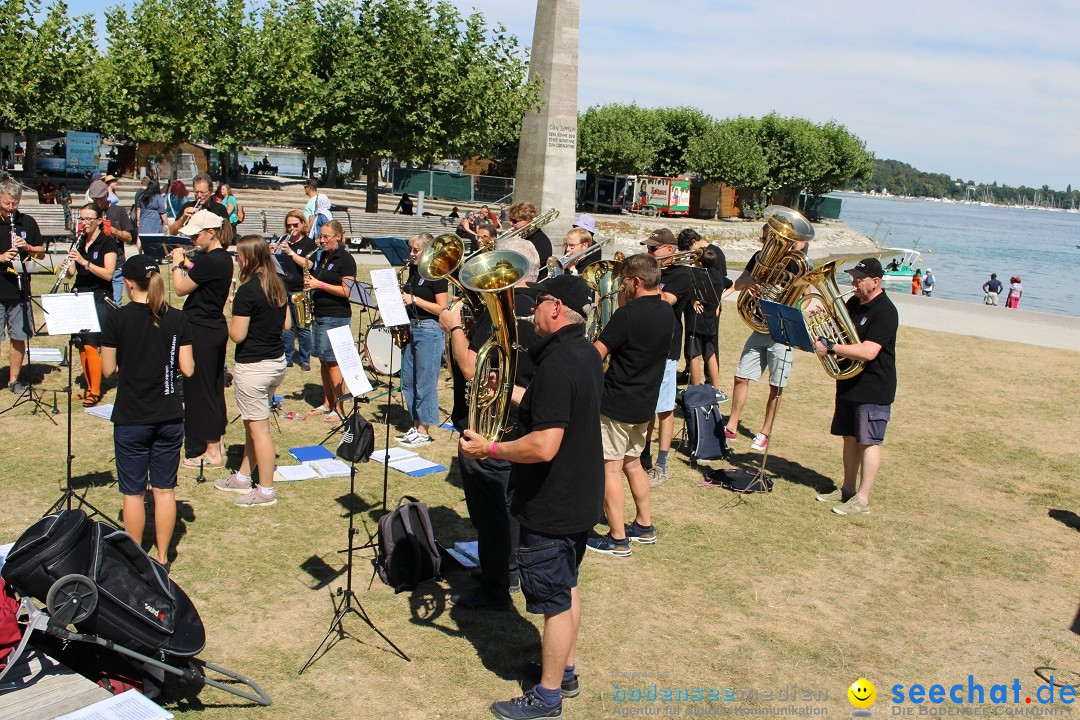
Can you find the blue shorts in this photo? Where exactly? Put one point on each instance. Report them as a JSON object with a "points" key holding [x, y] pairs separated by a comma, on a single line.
{"points": [[320, 343], [147, 450], [665, 401], [549, 569], [862, 421]]}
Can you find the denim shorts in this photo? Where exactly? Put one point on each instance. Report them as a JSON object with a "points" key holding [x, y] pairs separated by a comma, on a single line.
{"points": [[147, 450], [862, 421], [320, 343], [665, 401], [549, 569]]}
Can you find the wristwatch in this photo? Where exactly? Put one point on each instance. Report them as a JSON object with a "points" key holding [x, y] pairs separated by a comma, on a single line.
{"points": [[829, 345]]}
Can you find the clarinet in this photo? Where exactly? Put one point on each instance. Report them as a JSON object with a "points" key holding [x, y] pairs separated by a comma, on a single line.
{"points": [[61, 272]]}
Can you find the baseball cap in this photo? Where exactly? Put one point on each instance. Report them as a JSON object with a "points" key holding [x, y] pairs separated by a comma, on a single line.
{"points": [[98, 189], [570, 289], [586, 222], [139, 267], [658, 237], [202, 220], [867, 267]]}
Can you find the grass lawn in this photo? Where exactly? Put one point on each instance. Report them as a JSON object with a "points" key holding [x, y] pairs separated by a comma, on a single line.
{"points": [[966, 566]]}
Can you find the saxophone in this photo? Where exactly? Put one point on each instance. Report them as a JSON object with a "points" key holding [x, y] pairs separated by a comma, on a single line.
{"points": [[305, 307]]}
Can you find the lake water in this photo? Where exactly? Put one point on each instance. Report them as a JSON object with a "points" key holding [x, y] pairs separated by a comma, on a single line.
{"points": [[965, 243]]}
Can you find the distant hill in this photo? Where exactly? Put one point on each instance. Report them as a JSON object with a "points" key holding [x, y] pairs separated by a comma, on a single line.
{"points": [[898, 178]]}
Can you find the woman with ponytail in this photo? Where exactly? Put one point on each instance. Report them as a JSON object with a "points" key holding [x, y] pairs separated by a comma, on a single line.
{"points": [[151, 342], [259, 316]]}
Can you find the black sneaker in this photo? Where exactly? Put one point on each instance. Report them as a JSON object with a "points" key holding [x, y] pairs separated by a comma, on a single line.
{"points": [[609, 546], [533, 670], [481, 600], [637, 533], [527, 707]]}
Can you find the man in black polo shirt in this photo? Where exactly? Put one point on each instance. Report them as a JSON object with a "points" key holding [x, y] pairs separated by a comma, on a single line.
{"points": [[203, 188], [18, 316], [631, 386], [118, 226], [864, 402], [487, 482], [557, 476], [677, 289]]}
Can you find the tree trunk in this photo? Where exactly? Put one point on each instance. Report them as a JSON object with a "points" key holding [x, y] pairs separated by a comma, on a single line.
{"points": [[29, 162], [373, 165], [310, 164], [331, 169]]}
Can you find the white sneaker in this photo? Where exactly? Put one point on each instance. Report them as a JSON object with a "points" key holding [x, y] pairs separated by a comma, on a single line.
{"points": [[407, 435], [417, 440]]}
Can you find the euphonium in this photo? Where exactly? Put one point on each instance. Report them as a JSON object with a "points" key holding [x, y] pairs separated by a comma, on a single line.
{"points": [[778, 283], [441, 259], [558, 266], [829, 320], [605, 279], [492, 276]]}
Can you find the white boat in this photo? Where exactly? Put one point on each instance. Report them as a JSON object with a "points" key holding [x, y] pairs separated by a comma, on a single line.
{"points": [[899, 264]]}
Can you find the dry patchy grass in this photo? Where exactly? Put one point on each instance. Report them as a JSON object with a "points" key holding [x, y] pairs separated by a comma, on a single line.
{"points": [[967, 564]]}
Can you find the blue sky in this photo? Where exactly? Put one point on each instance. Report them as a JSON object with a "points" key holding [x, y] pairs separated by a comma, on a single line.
{"points": [[983, 91]]}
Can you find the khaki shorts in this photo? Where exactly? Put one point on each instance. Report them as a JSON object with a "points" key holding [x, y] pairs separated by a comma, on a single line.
{"points": [[622, 439], [255, 383], [760, 352]]}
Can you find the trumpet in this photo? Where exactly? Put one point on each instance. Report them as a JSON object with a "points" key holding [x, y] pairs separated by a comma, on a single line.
{"points": [[558, 266]]}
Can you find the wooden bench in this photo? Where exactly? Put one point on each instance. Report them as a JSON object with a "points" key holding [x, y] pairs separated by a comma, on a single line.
{"points": [[364, 226], [50, 220]]}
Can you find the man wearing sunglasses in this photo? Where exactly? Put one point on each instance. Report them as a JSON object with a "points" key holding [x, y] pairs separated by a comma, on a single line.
{"points": [[557, 472]]}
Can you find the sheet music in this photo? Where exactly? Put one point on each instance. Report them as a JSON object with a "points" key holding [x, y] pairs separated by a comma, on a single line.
{"points": [[388, 296], [69, 314], [348, 360]]}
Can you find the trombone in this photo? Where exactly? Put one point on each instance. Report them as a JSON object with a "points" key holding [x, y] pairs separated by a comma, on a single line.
{"points": [[685, 258], [558, 266]]}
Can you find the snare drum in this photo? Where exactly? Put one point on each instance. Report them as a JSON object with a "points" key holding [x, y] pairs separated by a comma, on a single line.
{"points": [[380, 352]]}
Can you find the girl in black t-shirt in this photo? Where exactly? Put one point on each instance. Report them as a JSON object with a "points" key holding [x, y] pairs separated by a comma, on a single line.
{"points": [[205, 282], [329, 282], [421, 357], [92, 262], [259, 317], [151, 341]]}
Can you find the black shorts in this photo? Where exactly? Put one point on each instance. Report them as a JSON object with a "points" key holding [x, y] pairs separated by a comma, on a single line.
{"points": [[549, 569], [700, 345], [862, 421], [147, 453]]}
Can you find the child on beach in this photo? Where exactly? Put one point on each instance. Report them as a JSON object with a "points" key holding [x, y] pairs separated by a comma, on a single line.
{"points": [[1015, 291], [916, 282]]}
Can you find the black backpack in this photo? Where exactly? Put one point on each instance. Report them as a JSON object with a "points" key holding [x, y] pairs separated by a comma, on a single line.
{"points": [[408, 554], [704, 424], [357, 439]]}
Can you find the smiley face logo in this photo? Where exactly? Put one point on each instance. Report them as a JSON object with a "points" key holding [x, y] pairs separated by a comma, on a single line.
{"points": [[862, 693]]}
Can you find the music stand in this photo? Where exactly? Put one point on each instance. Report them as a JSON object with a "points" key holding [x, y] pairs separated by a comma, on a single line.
{"points": [[787, 326], [394, 249], [23, 268], [360, 293]]}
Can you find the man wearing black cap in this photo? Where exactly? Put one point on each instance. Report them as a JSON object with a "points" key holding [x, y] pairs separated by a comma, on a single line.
{"points": [[864, 402], [677, 289], [557, 472]]}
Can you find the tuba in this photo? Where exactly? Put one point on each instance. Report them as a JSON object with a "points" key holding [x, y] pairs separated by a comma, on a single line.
{"points": [[778, 284], [831, 320], [492, 276], [605, 279], [441, 260]]}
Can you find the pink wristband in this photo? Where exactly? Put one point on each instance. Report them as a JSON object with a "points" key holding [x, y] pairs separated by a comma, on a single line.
{"points": [[322, 285], [494, 446]]}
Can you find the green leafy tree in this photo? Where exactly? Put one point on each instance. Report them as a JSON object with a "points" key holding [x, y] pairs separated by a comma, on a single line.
{"points": [[618, 138], [681, 125], [796, 155], [729, 151], [846, 159]]}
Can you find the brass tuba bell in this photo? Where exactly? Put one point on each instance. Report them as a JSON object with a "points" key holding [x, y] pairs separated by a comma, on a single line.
{"points": [[830, 319], [492, 277], [771, 271], [441, 260]]}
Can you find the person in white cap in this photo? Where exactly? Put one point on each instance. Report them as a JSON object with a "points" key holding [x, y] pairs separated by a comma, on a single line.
{"points": [[928, 282]]}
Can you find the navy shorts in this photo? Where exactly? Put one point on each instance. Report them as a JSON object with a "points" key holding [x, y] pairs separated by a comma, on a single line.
{"points": [[862, 421], [147, 452], [549, 569]]}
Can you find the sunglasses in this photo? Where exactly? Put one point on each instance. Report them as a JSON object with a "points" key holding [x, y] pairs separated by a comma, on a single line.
{"points": [[292, 225]]}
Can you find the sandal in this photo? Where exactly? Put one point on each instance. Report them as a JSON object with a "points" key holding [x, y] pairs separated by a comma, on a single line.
{"points": [[88, 399], [193, 463], [332, 417], [321, 410]]}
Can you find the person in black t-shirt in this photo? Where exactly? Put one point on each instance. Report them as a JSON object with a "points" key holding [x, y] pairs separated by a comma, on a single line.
{"points": [[117, 223], [205, 282], [522, 213], [17, 320], [677, 291], [991, 289], [295, 248], [152, 343], [258, 318], [203, 188], [487, 482], [557, 475], [405, 205], [421, 356], [92, 263], [703, 318], [637, 340], [864, 402], [329, 282]]}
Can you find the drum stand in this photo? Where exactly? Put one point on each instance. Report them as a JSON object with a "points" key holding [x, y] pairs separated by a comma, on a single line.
{"points": [[69, 495], [349, 602]]}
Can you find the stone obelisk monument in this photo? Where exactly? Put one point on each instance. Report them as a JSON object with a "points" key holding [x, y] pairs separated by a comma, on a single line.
{"points": [[547, 155]]}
